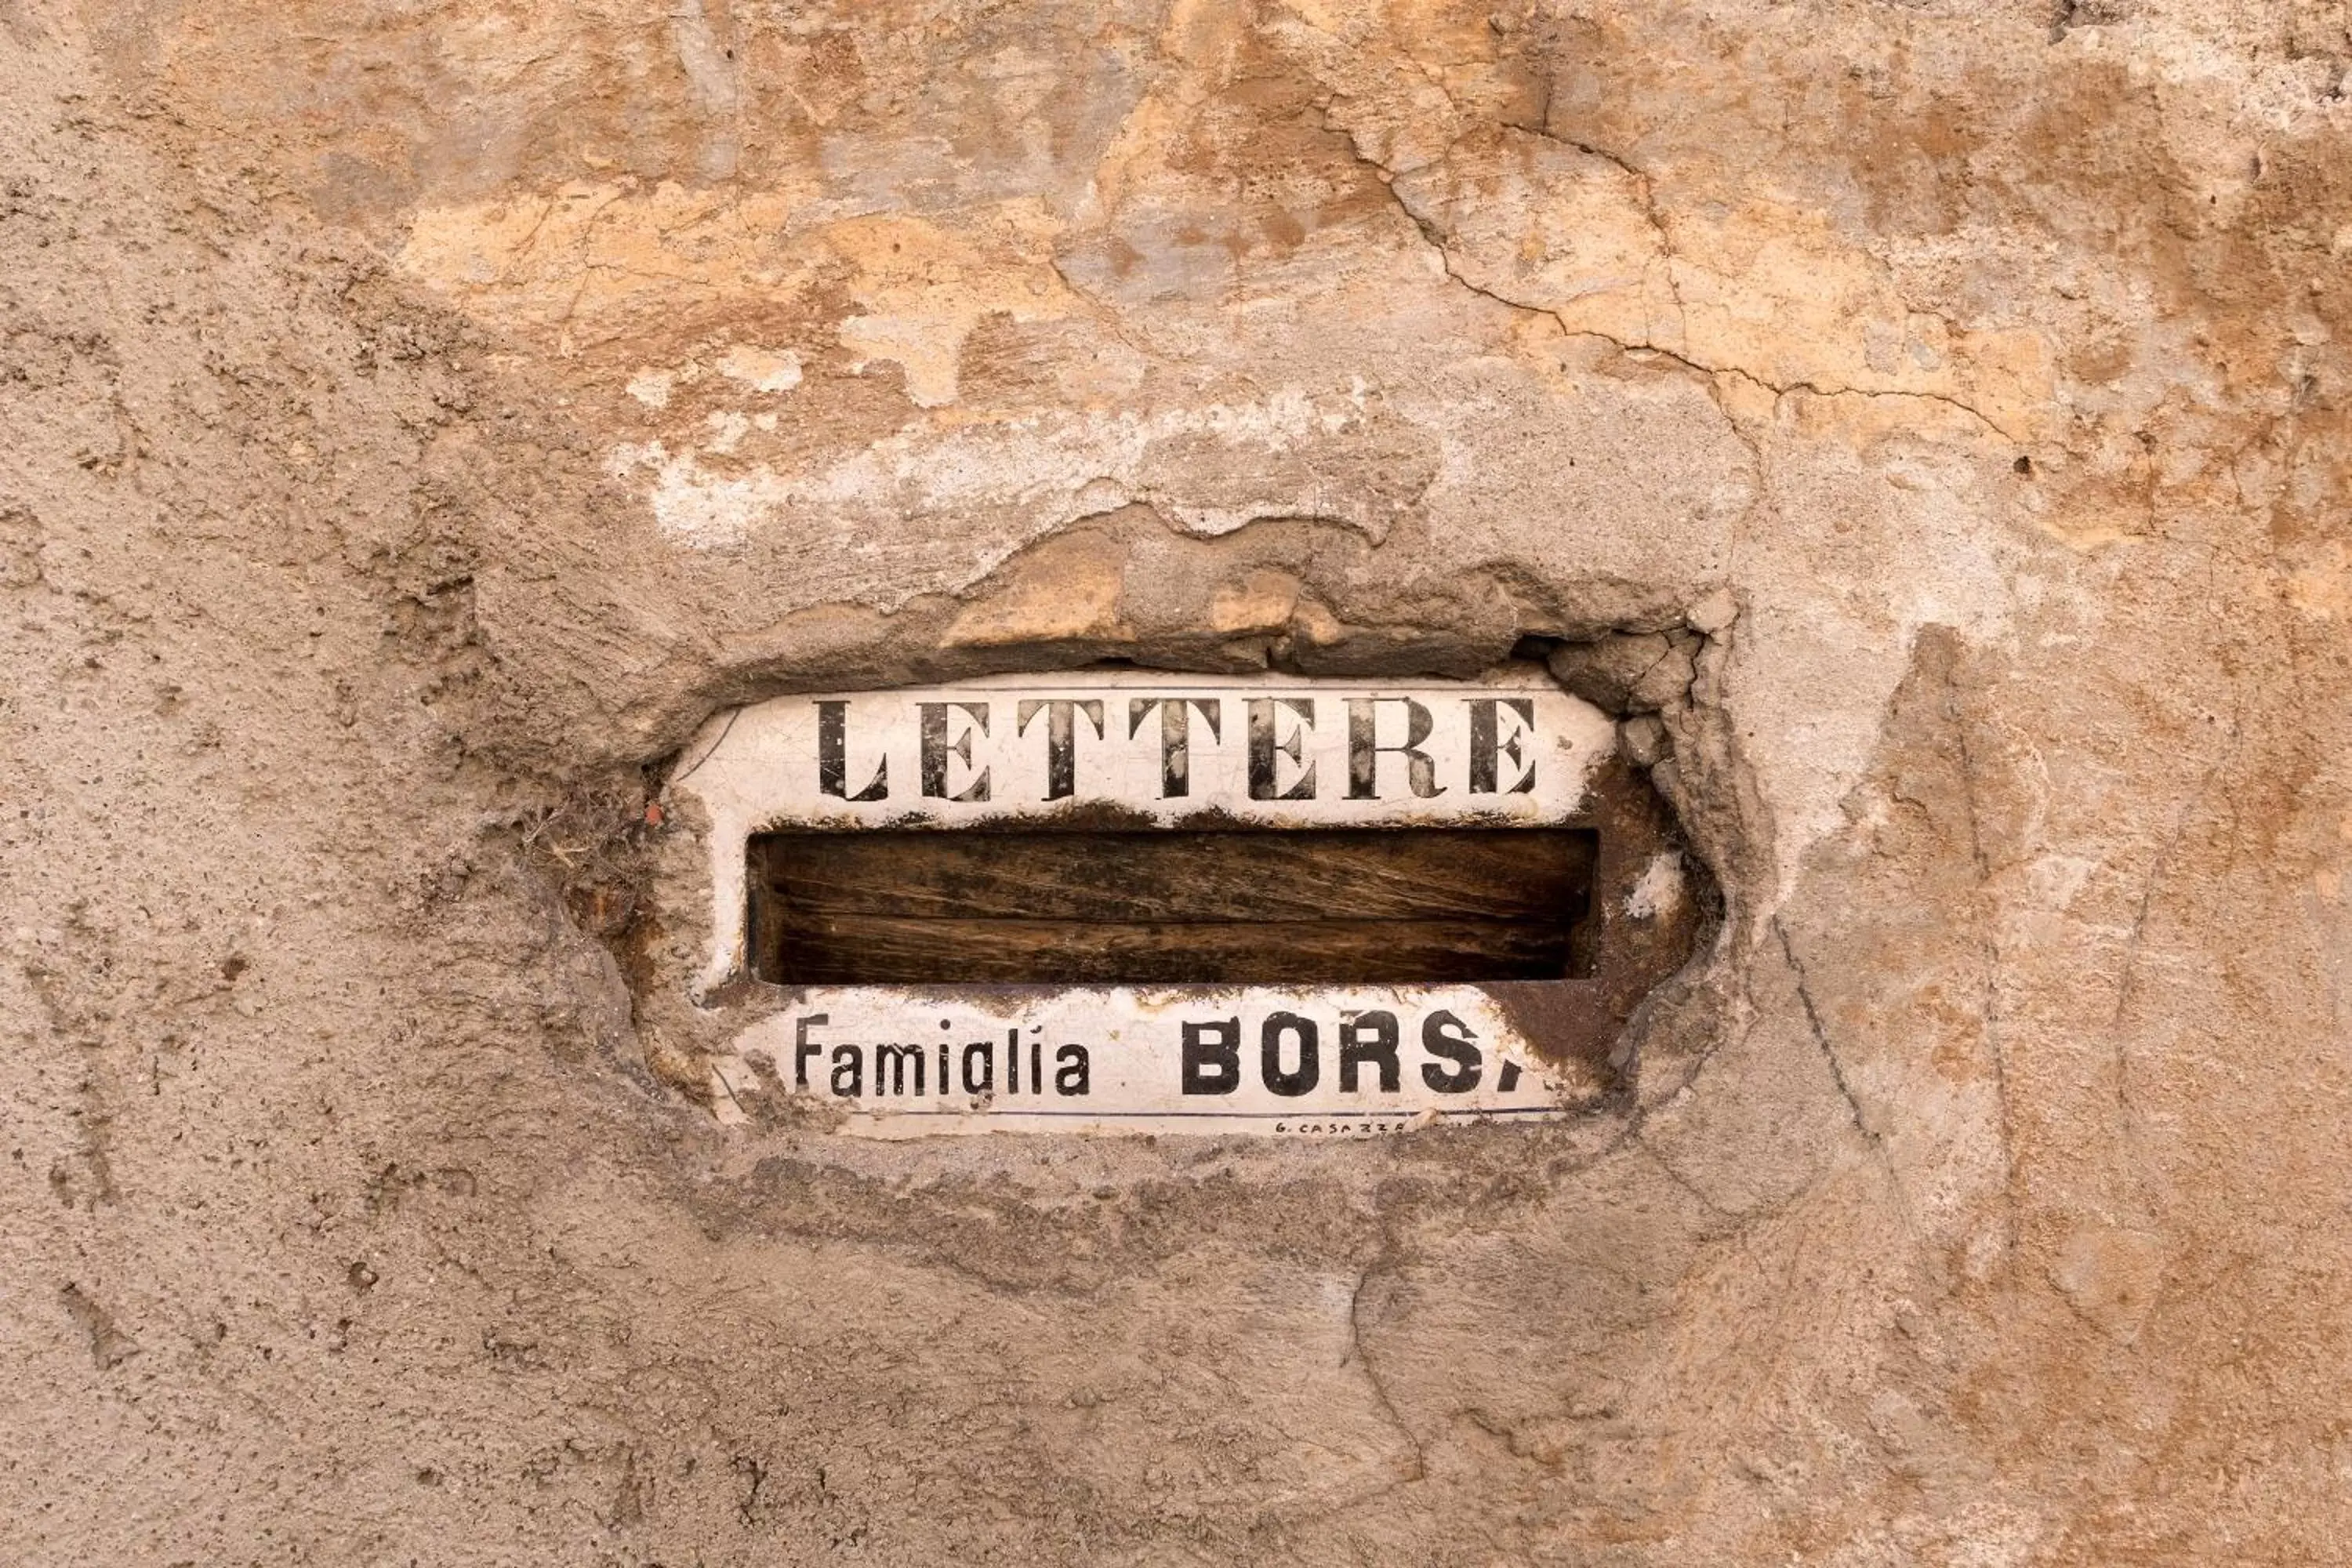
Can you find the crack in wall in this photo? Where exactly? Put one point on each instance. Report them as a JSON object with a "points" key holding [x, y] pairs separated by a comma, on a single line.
{"points": [[1989, 954], [1820, 1034], [2126, 1105], [1433, 234], [1674, 1174], [1380, 1265]]}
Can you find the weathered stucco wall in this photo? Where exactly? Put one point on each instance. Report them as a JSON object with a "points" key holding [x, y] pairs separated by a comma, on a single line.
{"points": [[420, 419]]}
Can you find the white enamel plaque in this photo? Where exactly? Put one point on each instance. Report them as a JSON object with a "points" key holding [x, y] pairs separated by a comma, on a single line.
{"points": [[1142, 749], [1318, 1061]]}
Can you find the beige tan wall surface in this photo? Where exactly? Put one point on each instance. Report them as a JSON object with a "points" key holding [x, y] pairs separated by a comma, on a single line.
{"points": [[1924, 422]]}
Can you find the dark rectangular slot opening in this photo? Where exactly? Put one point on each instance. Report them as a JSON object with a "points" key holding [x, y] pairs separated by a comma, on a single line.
{"points": [[1323, 905]]}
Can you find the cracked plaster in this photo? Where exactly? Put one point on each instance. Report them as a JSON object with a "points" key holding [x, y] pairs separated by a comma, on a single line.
{"points": [[404, 460]]}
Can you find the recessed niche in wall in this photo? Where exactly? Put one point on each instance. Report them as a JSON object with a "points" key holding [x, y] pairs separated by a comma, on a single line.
{"points": [[1114, 900]]}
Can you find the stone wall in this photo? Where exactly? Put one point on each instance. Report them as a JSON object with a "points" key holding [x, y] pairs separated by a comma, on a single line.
{"points": [[421, 418]]}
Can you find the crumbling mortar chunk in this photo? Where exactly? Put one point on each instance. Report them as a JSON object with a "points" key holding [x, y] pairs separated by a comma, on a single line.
{"points": [[1626, 673], [1664, 683]]}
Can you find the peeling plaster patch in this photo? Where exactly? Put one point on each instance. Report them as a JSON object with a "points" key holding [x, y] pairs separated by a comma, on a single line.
{"points": [[1660, 890], [925, 288], [1069, 587], [2324, 590], [761, 369], [1767, 292], [1101, 495], [1264, 601], [1214, 469], [586, 253], [651, 388], [929, 350], [2110, 1274], [2054, 880], [1544, 224], [727, 429], [1843, 644], [1782, 296], [709, 65], [689, 504]]}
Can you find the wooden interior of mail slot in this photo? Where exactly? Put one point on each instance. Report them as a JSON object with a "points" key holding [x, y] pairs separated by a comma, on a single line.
{"points": [[1231, 906]]}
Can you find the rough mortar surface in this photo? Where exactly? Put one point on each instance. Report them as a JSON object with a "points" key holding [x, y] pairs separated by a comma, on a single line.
{"points": [[1924, 423]]}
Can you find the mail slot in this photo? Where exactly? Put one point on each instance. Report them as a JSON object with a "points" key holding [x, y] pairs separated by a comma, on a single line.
{"points": [[1173, 906], [1114, 900]]}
